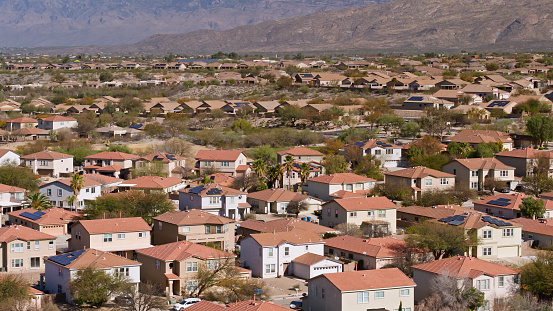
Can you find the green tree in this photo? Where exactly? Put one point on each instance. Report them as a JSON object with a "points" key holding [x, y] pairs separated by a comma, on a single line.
{"points": [[265, 153], [410, 129], [459, 150], [436, 121], [487, 150], [335, 164], [532, 208], [17, 176], [288, 167], [441, 239], [492, 66], [71, 200], [77, 183], [38, 201], [369, 166], [540, 128], [106, 77], [130, 104], [13, 289], [537, 276], [290, 114], [95, 287], [241, 124], [305, 170], [538, 183], [259, 166]]}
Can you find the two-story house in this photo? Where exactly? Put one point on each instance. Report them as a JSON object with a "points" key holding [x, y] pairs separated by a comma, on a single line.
{"points": [[122, 236], [523, 160], [231, 162], [195, 226], [269, 255], [502, 205], [420, 179], [49, 163], [325, 186], [495, 281], [388, 154], [149, 184], [382, 289], [19, 123], [111, 163], [473, 173], [301, 155], [174, 266], [377, 211], [252, 226], [61, 269], [22, 248], [54, 221], [276, 200], [497, 238], [215, 199], [170, 165], [58, 191], [56, 123], [11, 198], [8, 157]]}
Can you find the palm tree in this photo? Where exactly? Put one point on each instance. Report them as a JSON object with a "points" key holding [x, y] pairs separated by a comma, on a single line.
{"points": [[289, 166], [260, 168], [305, 170], [278, 174], [71, 201], [77, 183], [38, 201], [272, 176]]}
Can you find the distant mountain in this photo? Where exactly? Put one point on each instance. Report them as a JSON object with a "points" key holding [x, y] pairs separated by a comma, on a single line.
{"points": [[31, 23], [400, 25]]}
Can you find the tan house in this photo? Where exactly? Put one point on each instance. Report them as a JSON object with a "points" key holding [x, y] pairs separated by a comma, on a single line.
{"points": [[300, 154], [501, 106], [252, 226], [324, 186], [503, 205], [230, 162], [409, 215], [195, 226], [174, 266], [169, 165], [420, 179], [49, 163], [54, 221], [382, 289], [149, 184], [19, 123], [276, 201], [475, 137], [378, 211], [523, 160], [122, 236], [22, 248], [537, 231], [473, 173], [111, 163]]}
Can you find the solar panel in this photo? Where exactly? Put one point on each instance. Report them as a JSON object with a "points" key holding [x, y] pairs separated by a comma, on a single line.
{"points": [[67, 258], [214, 191], [416, 98], [196, 190], [39, 213], [29, 215], [170, 156], [499, 202], [455, 222]]}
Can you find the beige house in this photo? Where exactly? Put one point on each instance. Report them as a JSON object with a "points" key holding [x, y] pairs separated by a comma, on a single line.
{"points": [[231, 162], [276, 201], [475, 137], [111, 163], [22, 248], [49, 163], [300, 154], [537, 231], [54, 221], [473, 173], [502, 205], [495, 281], [169, 165], [379, 211], [420, 179], [252, 226], [19, 123], [409, 215], [122, 236], [324, 186], [195, 226], [174, 266], [523, 160], [148, 184], [383, 289]]}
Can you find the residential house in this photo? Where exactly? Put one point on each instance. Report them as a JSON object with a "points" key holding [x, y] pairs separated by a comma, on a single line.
{"points": [[266, 107], [388, 154], [523, 160], [29, 133], [54, 221], [475, 137], [19, 123], [149, 184], [108, 184], [379, 212], [425, 101], [11, 198], [224, 161], [502, 205], [22, 248], [301, 155], [495, 281], [169, 165], [252, 226], [383, 289], [122, 236], [295, 180], [58, 191], [420, 179], [215, 199], [498, 107], [485, 90], [56, 123], [410, 215], [217, 178], [61, 269], [473, 173], [276, 200], [269, 255], [497, 238], [323, 186], [174, 266], [9, 157], [539, 232], [195, 226], [472, 112], [49, 163], [111, 163]]}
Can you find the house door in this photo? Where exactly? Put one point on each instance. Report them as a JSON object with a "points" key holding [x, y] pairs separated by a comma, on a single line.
{"points": [[287, 269]]}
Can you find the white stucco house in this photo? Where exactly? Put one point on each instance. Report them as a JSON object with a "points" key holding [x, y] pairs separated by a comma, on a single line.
{"points": [[388, 154], [9, 157], [49, 163], [215, 199], [56, 123], [59, 190], [327, 187]]}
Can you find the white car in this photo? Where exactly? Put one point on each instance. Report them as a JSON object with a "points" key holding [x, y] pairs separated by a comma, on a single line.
{"points": [[185, 303]]}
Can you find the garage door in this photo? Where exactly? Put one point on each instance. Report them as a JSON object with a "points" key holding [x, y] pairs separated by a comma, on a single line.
{"points": [[509, 251]]}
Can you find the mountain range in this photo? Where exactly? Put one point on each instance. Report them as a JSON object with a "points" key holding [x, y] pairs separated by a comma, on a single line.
{"points": [[32, 23]]}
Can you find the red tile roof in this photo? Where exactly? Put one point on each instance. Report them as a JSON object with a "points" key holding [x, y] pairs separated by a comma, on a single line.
{"points": [[218, 155], [535, 225], [250, 305], [277, 195], [483, 163], [376, 247], [372, 143], [419, 172], [58, 119], [300, 151], [526, 153], [361, 204], [181, 250], [46, 155], [465, 267], [7, 188], [283, 225], [51, 216], [112, 155], [515, 200], [97, 259], [193, 217], [4, 151], [153, 182], [309, 259], [110, 168], [202, 190], [22, 120], [368, 279], [205, 305], [103, 179], [340, 178], [16, 232], [435, 212], [114, 225], [481, 136], [87, 182], [161, 156], [295, 236]]}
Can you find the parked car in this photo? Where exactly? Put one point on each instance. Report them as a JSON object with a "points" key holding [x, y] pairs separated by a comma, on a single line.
{"points": [[185, 303], [123, 300], [296, 305]]}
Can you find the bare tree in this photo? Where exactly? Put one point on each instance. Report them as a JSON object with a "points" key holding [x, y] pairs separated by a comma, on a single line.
{"points": [[349, 229], [296, 207], [213, 273], [148, 297], [451, 293]]}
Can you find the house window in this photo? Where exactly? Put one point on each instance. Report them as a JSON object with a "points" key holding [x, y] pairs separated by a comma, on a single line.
{"points": [[37, 245], [29, 163], [123, 271], [157, 264], [212, 264], [17, 263], [516, 279], [322, 292], [35, 262], [501, 281], [382, 213], [316, 291], [48, 192], [503, 173], [270, 268], [17, 248], [370, 213], [59, 192], [444, 181], [87, 190], [404, 292], [43, 163], [336, 213], [219, 229], [331, 251], [93, 190], [28, 246], [231, 199], [60, 290], [60, 272], [349, 187], [159, 226], [270, 252], [214, 200], [378, 152], [185, 229], [207, 229], [474, 185], [286, 251], [191, 286], [508, 232], [328, 211], [428, 182], [353, 214], [207, 163], [51, 244], [120, 236], [474, 173], [363, 297], [108, 237], [487, 234], [191, 267], [487, 251], [483, 284], [379, 294], [225, 164], [141, 234]]}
